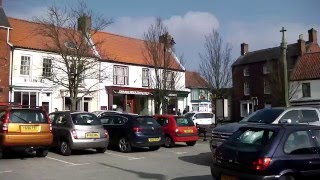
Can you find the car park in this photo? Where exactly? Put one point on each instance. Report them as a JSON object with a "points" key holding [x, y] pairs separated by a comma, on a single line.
{"points": [[178, 129], [282, 151], [132, 131], [24, 128], [201, 118], [78, 130], [291, 115]]}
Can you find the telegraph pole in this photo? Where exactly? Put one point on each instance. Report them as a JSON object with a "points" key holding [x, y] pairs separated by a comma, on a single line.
{"points": [[283, 58]]}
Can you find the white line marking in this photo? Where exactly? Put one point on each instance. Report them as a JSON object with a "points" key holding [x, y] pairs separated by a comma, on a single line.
{"points": [[5, 172], [129, 157], [70, 163], [181, 153]]}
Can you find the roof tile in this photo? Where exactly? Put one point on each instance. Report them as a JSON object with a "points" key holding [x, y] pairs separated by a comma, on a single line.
{"points": [[308, 67]]}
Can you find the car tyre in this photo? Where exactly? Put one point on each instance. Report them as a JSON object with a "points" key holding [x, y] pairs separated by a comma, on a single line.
{"points": [[191, 143], [64, 148], [168, 142], [124, 145], [286, 177], [1, 154], [42, 152], [154, 148], [101, 150]]}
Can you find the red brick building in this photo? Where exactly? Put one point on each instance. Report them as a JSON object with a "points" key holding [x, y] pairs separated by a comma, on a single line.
{"points": [[252, 73]]}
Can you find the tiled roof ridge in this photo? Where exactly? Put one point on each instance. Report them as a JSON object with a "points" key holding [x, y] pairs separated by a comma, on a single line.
{"points": [[275, 47]]}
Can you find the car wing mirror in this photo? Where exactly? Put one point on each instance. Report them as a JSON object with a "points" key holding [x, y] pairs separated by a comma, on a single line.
{"points": [[285, 121]]}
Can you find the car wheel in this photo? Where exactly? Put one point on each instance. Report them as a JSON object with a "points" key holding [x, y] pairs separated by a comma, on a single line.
{"points": [[124, 145], [192, 143], [42, 152], [168, 142], [286, 177], [1, 154], [101, 150], [65, 148], [154, 148]]}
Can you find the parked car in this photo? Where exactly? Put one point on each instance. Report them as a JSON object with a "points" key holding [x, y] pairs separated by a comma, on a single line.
{"points": [[283, 151], [127, 131], [24, 129], [105, 112], [291, 115], [201, 118], [178, 129], [78, 130]]}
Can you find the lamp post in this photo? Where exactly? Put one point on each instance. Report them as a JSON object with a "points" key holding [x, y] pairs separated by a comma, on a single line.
{"points": [[283, 58]]}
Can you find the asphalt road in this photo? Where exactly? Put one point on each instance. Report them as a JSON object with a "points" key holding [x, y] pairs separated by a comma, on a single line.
{"points": [[178, 163]]}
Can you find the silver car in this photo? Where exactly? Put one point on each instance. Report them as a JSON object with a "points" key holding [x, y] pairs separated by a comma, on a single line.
{"points": [[78, 130]]}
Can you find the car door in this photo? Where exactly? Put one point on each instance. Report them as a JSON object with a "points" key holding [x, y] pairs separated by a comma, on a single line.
{"points": [[309, 116], [108, 122], [62, 127], [115, 125], [164, 123], [54, 128]]}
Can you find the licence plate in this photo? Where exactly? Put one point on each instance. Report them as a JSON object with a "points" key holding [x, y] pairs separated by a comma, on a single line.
{"points": [[154, 139], [92, 135], [224, 177], [29, 128], [188, 131]]}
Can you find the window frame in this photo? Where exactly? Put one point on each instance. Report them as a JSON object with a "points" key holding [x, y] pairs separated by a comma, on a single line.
{"points": [[311, 141], [266, 87], [46, 67], [246, 88], [25, 69], [145, 77], [308, 93], [246, 72], [117, 76], [266, 68]]}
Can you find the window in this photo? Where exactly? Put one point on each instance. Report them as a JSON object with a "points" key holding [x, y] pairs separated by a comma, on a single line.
{"points": [[163, 121], [246, 71], [120, 75], [195, 94], [266, 116], [203, 115], [145, 77], [266, 68], [246, 108], [146, 121], [27, 116], [267, 89], [184, 121], [46, 70], [306, 90], [203, 94], [292, 115], [61, 120], [246, 89], [309, 116], [113, 120], [26, 98], [169, 80], [85, 119], [299, 143], [25, 65]]}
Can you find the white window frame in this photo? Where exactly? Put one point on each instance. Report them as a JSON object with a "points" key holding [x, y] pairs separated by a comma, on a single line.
{"points": [[266, 87], [25, 67], [246, 88], [46, 67], [120, 75], [246, 71], [145, 77], [169, 81], [249, 109]]}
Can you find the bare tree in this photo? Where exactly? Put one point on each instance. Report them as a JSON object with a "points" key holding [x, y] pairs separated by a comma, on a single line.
{"points": [[216, 63], [75, 65], [159, 53]]}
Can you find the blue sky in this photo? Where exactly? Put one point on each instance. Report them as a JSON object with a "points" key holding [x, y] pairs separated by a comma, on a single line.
{"points": [[255, 22]]}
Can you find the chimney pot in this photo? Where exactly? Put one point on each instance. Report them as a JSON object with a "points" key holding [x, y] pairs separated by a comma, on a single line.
{"points": [[313, 36], [301, 45], [244, 48]]}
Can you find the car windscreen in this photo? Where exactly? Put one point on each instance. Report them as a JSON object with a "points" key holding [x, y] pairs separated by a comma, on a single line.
{"points": [[252, 140], [27, 116], [266, 116], [146, 121], [189, 115], [182, 121], [204, 115], [85, 119]]}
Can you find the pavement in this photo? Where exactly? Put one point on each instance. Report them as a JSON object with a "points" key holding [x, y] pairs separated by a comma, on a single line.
{"points": [[179, 163]]}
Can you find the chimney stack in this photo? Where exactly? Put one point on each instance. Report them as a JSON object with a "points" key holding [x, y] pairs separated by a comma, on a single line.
{"points": [[313, 36], [244, 48], [84, 23], [301, 45], [167, 40], [0, 3]]}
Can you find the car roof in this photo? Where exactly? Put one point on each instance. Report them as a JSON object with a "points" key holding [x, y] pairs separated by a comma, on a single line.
{"points": [[281, 126], [295, 107]]}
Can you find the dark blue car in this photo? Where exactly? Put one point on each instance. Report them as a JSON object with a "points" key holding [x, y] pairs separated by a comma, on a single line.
{"points": [[127, 131], [284, 152]]}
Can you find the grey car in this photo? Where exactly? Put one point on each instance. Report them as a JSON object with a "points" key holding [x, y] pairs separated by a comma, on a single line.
{"points": [[78, 130]]}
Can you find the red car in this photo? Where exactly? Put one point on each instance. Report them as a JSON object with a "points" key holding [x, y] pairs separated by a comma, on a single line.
{"points": [[178, 129]]}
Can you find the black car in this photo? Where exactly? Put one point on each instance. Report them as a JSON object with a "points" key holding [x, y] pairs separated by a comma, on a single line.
{"points": [[269, 152], [127, 131]]}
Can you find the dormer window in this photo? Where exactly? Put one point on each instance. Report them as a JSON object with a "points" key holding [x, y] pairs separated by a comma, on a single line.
{"points": [[246, 71]]}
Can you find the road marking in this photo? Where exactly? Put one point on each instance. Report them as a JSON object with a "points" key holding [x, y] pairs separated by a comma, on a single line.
{"points": [[1, 172], [69, 163], [129, 157], [181, 153]]}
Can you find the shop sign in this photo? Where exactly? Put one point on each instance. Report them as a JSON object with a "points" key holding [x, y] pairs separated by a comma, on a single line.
{"points": [[132, 92], [172, 95]]}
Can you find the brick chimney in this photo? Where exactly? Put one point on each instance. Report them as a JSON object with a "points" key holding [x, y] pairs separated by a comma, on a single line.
{"points": [[0, 3], [301, 45], [166, 39], [84, 23], [244, 48], [313, 36]]}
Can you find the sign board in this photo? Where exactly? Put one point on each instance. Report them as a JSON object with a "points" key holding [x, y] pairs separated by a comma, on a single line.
{"points": [[132, 92]]}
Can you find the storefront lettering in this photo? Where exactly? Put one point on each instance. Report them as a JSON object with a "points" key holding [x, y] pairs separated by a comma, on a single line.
{"points": [[132, 92], [33, 80]]}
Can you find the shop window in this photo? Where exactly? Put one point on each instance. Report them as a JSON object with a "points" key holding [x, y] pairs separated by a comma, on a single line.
{"points": [[203, 94], [25, 65], [195, 94], [145, 77], [120, 75], [25, 98]]}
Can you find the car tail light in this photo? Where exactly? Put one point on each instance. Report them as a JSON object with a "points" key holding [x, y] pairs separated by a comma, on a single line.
{"points": [[105, 133], [137, 129], [261, 164], [49, 121], [5, 123], [74, 134]]}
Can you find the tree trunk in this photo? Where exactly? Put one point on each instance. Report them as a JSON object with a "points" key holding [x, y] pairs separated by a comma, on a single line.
{"points": [[73, 103]]}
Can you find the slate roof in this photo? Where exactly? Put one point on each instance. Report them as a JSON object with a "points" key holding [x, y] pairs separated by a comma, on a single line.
{"points": [[3, 18], [195, 80], [308, 67]]}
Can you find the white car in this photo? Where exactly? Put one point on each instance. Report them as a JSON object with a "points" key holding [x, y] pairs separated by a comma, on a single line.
{"points": [[201, 118]]}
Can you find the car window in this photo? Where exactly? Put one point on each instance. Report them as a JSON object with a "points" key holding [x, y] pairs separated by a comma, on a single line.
{"points": [[61, 120], [106, 119], [146, 121], [27, 116], [204, 115], [251, 139], [163, 121], [189, 115], [263, 116], [299, 143], [293, 115], [316, 136], [51, 116], [181, 121], [309, 116], [2, 115], [85, 119]]}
